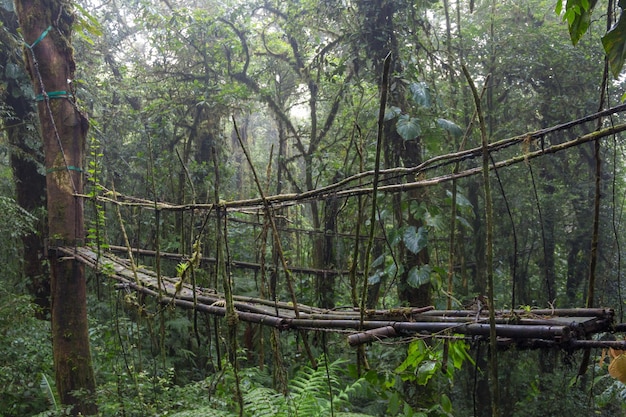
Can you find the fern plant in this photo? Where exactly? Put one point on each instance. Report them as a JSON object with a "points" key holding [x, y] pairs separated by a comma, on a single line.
{"points": [[310, 393]]}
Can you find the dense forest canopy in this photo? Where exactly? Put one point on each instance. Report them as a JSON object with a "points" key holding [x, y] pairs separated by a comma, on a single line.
{"points": [[347, 155]]}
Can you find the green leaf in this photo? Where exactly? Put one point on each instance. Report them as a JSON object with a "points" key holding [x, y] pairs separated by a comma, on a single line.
{"points": [[578, 16], [374, 279], [463, 221], [417, 210], [446, 404], [416, 353], [558, 8], [419, 275], [87, 21], [408, 127], [392, 112], [415, 240], [458, 353], [49, 393], [378, 261], [461, 200], [614, 43], [434, 221], [420, 94], [426, 371], [393, 404], [391, 270], [450, 127], [395, 236]]}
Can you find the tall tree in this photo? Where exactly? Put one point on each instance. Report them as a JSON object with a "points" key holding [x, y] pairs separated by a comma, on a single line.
{"points": [[313, 67], [47, 30], [380, 37]]}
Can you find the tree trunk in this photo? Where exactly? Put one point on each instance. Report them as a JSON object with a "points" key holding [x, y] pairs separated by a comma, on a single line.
{"points": [[29, 183], [378, 33], [326, 283], [46, 27], [30, 193], [549, 218]]}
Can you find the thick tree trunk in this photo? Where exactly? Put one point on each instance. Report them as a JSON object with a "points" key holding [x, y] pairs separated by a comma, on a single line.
{"points": [[29, 183], [378, 33], [30, 193], [46, 27]]}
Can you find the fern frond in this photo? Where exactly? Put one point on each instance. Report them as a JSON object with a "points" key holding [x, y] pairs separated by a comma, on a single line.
{"points": [[309, 405], [343, 398], [312, 381], [47, 389], [264, 402]]}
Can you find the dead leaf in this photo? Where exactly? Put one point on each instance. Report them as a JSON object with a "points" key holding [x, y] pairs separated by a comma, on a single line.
{"points": [[614, 353], [617, 368]]}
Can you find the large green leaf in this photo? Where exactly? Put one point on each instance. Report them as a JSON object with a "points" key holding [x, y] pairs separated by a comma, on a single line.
{"points": [[419, 275], [614, 43], [415, 240], [461, 200], [450, 127], [578, 16], [408, 127], [420, 94]]}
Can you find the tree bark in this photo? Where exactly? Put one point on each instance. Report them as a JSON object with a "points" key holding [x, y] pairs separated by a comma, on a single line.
{"points": [[46, 27], [29, 183], [30, 195]]}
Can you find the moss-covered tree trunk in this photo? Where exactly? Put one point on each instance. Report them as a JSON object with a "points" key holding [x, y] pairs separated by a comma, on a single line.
{"points": [[25, 156], [46, 27]]}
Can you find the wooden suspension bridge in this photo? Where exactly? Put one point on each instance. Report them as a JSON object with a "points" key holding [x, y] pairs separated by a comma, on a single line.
{"points": [[573, 328], [566, 329]]}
